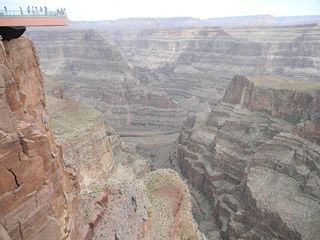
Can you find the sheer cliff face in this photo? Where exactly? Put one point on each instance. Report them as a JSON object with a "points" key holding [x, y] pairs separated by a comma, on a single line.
{"points": [[92, 70], [38, 199], [247, 156]]}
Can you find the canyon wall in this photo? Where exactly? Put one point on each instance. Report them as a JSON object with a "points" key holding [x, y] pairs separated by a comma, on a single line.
{"points": [[82, 134], [167, 72], [91, 69], [262, 131], [259, 172], [121, 200], [38, 197], [196, 64], [75, 190]]}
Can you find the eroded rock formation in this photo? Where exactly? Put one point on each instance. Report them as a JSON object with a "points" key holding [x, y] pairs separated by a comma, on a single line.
{"points": [[157, 206], [194, 65], [38, 197], [91, 69], [260, 174], [81, 132], [70, 192], [255, 156], [120, 200]]}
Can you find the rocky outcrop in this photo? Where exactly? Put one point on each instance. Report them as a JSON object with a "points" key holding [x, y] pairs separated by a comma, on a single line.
{"points": [[157, 206], [38, 197], [276, 96], [91, 69], [259, 173], [117, 204], [72, 120], [81, 132], [171, 206]]}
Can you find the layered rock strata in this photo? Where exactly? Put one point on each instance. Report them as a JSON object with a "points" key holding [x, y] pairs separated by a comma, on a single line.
{"points": [[175, 70], [91, 69], [118, 204], [38, 197], [81, 132], [256, 49], [40, 183], [120, 200], [259, 173], [196, 64]]}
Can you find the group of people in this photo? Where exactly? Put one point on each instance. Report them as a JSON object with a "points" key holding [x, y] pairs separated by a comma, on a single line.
{"points": [[38, 11], [35, 11], [62, 12]]}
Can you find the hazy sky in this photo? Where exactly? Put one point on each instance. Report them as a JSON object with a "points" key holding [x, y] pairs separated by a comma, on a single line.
{"points": [[113, 9]]}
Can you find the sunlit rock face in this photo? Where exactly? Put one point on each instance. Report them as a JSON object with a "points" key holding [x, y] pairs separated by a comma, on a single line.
{"points": [[39, 199], [92, 70], [260, 173]]}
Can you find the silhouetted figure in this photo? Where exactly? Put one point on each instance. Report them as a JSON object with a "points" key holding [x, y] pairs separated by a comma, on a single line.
{"points": [[36, 10], [28, 10], [32, 10], [41, 9], [45, 10], [5, 10], [58, 12], [64, 12], [21, 12]]}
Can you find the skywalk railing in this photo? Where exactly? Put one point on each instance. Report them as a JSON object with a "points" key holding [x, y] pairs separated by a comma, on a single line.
{"points": [[32, 13]]}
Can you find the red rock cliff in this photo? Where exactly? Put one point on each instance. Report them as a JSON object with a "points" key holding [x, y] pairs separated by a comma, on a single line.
{"points": [[38, 198], [293, 100]]}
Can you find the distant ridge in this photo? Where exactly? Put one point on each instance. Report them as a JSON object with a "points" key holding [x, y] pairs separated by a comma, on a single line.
{"points": [[298, 20], [241, 20], [142, 23]]}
